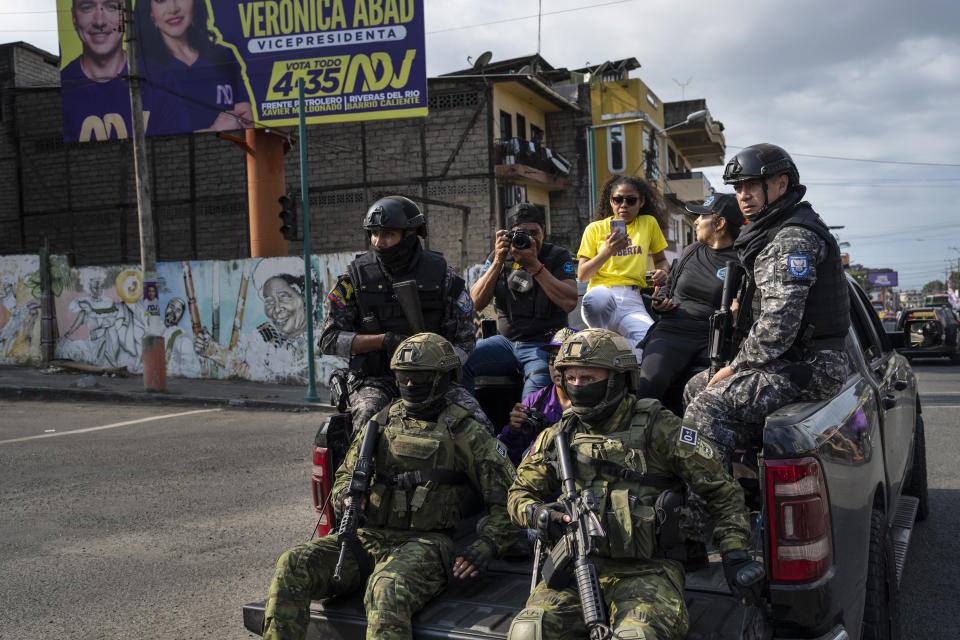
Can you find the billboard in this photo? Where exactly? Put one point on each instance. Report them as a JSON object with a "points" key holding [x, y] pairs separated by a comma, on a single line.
{"points": [[219, 65], [883, 278]]}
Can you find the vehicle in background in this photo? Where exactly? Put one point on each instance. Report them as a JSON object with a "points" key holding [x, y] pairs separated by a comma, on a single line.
{"points": [[936, 299], [928, 332]]}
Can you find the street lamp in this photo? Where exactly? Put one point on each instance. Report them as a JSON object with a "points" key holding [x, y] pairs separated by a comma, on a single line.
{"points": [[691, 118]]}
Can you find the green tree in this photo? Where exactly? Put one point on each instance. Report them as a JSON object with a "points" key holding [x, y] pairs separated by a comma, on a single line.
{"points": [[934, 286], [861, 277]]}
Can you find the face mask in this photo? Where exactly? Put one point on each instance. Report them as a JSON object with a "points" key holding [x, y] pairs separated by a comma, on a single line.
{"points": [[592, 402], [397, 258], [586, 396], [416, 393], [425, 400]]}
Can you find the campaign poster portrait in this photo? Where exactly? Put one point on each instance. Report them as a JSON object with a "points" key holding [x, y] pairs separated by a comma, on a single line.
{"points": [[883, 278], [220, 65]]}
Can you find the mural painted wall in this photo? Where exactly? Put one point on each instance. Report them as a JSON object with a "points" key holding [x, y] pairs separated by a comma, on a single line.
{"points": [[220, 319], [19, 309]]}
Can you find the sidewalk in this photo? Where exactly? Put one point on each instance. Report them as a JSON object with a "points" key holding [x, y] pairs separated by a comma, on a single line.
{"points": [[52, 382]]}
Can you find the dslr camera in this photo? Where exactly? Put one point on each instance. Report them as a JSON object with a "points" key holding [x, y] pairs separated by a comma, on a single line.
{"points": [[519, 239], [534, 423]]}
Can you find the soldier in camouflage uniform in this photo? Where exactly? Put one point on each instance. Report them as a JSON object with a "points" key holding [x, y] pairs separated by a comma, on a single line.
{"points": [[628, 451], [363, 322], [428, 452], [794, 309]]}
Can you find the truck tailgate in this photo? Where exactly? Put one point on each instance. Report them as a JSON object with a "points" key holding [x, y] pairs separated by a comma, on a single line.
{"points": [[485, 609]]}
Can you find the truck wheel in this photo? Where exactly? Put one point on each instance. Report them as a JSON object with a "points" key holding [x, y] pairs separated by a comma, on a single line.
{"points": [[917, 487], [881, 612], [955, 358]]}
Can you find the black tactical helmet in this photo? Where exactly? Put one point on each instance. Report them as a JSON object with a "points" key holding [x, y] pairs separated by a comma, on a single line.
{"points": [[760, 161], [395, 212]]}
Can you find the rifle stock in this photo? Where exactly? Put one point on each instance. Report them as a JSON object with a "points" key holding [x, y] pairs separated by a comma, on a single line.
{"points": [[359, 483], [409, 299], [722, 325]]}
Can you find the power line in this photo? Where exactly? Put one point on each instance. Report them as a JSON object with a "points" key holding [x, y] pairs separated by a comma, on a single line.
{"points": [[873, 160], [545, 13]]}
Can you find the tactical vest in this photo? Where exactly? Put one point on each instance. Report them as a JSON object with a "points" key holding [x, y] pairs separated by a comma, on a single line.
{"points": [[417, 484], [626, 501], [380, 311], [529, 316], [828, 303]]}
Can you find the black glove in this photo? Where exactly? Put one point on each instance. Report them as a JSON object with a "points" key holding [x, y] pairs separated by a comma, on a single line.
{"points": [[478, 554], [744, 576], [554, 523], [391, 341]]}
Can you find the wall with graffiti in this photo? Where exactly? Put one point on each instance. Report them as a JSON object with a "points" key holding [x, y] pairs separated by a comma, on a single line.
{"points": [[220, 319], [19, 309]]}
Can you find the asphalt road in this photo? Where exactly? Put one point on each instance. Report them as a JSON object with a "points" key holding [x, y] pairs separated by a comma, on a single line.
{"points": [[930, 578], [164, 528], [158, 529]]}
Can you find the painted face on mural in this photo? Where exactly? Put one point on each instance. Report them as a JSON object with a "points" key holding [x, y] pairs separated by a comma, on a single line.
{"points": [[96, 22], [96, 288], [172, 17], [173, 312], [285, 307]]}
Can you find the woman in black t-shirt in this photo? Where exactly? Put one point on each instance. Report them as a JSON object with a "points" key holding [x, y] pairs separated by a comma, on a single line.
{"points": [[677, 344]]}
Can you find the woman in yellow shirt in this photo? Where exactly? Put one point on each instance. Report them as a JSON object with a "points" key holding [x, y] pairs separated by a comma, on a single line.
{"points": [[615, 264]]}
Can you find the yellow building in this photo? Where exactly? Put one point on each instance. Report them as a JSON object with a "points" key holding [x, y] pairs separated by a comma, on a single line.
{"points": [[634, 132]]}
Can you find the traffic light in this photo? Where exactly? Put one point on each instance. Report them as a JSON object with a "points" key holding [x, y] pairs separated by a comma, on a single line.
{"points": [[288, 214]]}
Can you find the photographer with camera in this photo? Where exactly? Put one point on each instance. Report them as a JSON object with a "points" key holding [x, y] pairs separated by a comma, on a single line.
{"points": [[538, 410], [533, 287]]}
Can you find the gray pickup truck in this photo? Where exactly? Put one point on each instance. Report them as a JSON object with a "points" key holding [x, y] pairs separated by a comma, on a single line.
{"points": [[835, 489]]}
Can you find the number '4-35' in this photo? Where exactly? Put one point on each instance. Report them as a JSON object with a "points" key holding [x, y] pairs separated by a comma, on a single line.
{"points": [[317, 82]]}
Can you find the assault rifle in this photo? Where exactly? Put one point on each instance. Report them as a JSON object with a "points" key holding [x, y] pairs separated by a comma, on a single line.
{"points": [[583, 527], [722, 343], [357, 492]]}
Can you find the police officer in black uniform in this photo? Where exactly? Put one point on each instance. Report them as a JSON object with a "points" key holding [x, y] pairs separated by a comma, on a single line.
{"points": [[364, 322], [533, 286], [794, 309]]}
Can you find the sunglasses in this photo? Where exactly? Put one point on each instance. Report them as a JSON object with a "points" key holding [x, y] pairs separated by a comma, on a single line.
{"points": [[414, 377], [631, 200]]}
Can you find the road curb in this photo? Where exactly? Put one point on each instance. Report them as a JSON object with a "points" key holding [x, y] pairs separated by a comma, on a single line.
{"points": [[12, 392]]}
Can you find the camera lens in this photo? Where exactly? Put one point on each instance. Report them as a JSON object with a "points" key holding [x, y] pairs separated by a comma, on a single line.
{"points": [[520, 240]]}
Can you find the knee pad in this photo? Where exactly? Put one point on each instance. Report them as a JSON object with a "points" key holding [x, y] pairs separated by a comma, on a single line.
{"points": [[528, 625]]}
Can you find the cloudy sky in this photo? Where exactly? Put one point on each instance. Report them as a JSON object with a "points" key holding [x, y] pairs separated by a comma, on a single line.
{"points": [[863, 93]]}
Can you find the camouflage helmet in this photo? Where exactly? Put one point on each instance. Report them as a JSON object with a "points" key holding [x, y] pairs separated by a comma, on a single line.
{"points": [[426, 352], [600, 348]]}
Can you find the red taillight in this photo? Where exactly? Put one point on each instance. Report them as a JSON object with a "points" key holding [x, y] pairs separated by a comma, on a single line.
{"points": [[801, 548], [322, 480]]}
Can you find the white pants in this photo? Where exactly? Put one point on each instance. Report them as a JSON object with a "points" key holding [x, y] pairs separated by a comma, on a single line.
{"points": [[619, 309]]}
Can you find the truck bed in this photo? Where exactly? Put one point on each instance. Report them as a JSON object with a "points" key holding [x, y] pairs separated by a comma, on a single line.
{"points": [[485, 608]]}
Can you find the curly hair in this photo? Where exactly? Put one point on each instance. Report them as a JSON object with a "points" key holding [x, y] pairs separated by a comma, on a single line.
{"points": [[652, 202]]}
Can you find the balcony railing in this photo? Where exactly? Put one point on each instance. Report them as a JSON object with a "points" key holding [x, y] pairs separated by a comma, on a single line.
{"points": [[530, 153]]}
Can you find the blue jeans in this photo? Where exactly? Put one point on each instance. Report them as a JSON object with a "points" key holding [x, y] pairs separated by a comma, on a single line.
{"points": [[497, 356]]}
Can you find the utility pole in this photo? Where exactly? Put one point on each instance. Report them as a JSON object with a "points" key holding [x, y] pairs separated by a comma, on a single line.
{"points": [[154, 362]]}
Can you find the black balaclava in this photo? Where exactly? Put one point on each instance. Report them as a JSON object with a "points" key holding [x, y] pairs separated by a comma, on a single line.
{"points": [[425, 401], [399, 258], [593, 403]]}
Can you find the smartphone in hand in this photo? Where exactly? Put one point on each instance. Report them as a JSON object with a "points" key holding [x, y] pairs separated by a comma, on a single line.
{"points": [[618, 226]]}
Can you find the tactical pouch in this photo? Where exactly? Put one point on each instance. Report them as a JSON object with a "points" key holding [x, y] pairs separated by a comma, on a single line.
{"points": [[631, 527], [557, 570], [378, 505]]}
